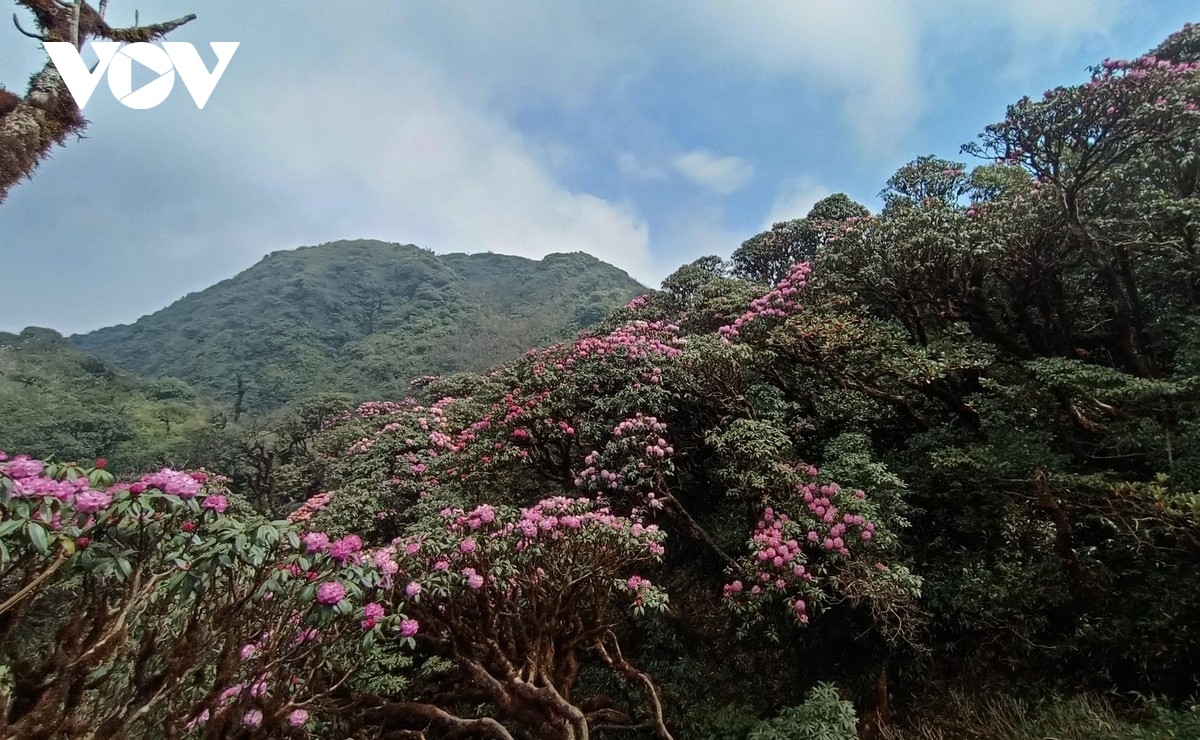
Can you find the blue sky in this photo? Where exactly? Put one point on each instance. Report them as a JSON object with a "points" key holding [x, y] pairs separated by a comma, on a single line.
{"points": [[647, 134]]}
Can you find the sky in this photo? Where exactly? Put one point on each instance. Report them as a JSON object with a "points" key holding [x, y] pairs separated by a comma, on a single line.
{"points": [[646, 134]]}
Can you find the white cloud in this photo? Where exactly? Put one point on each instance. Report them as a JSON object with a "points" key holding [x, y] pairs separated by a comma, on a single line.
{"points": [[1038, 20], [795, 199], [634, 168], [865, 52], [422, 165], [722, 175]]}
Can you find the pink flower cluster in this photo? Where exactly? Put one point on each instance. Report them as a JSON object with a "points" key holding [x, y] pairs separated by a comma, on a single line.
{"points": [[480, 537], [22, 466], [561, 516], [780, 562], [183, 485], [330, 593], [637, 584], [837, 523], [372, 613], [779, 302], [360, 446], [631, 460], [346, 548], [310, 507], [778, 559], [28, 481], [371, 409], [1149, 63], [638, 302]]}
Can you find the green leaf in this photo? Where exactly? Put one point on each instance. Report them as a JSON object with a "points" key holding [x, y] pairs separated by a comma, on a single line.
{"points": [[38, 537]]}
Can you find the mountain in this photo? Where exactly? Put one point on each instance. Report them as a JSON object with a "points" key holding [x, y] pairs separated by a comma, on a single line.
{"points": [[58, 402], [363, 317]]}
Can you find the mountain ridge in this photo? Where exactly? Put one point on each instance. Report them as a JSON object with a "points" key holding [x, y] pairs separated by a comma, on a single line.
{"points": [[361, 316]]}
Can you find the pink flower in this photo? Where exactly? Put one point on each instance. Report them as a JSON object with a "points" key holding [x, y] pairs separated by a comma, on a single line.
{"points": [[173, 482], [372, 613], [248, 651], [409, 627], [331, 593], [24, 467], [253, 718], [298, 717], [412, 589], [383, 560], [467, 546], [89, 502], [197, 722], [215, 502], [342, 549], [316, 542]]}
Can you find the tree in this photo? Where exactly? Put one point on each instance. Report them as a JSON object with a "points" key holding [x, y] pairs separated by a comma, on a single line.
{"points": [[147, 610], [516, 600], [683, 284], [30, 126], [766, 257]]}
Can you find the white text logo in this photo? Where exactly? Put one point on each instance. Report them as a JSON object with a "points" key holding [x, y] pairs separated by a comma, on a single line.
{"points": [[117, 61]]}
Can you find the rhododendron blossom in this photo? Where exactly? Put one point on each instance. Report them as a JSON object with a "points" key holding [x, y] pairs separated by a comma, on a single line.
{"points": [[331, 593]]}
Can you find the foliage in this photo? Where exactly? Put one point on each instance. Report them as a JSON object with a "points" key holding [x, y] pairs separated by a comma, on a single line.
{"points": [[57, 402], [766, 257], [1084, 716], [143, 610], [823, 716]]}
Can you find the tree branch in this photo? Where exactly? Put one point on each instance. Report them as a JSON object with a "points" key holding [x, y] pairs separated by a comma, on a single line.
{"points": [[31, 126], [408, 711]]}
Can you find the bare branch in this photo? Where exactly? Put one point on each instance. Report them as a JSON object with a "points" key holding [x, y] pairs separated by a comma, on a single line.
{"points": [[616, 660], [17, 23], [428, 713]]}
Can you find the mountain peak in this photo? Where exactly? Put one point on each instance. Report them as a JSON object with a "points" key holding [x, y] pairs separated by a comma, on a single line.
{"points": [[362, 316]]}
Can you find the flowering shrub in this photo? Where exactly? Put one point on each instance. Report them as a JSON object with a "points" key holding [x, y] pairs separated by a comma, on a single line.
{"points": [[172, 616], [513, 598], [825, 549]]}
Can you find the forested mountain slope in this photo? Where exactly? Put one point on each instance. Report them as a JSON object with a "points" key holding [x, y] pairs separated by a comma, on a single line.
{"points": [[58, 401], [363, 317]]}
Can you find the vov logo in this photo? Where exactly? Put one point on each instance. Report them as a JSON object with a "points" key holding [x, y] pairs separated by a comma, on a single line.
{"points": [[117, 61]]}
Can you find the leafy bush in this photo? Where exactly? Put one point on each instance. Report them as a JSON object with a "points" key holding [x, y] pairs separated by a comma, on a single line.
{"points": [[823, 716]]}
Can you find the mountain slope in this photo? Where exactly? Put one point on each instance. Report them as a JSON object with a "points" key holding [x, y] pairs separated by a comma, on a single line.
{"points": [[57, 402], [362, 317]]}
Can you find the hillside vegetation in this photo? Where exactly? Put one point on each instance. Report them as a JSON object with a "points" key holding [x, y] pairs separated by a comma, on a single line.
{"points": [[363, 317], [56, 401]]}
